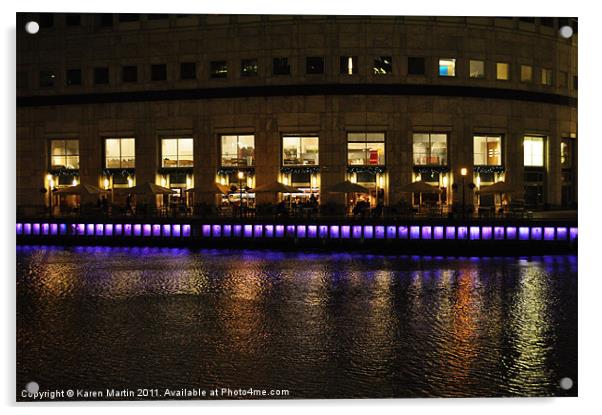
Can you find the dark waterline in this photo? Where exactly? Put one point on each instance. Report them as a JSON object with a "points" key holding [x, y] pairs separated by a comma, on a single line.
{"points": [[319, 325]]}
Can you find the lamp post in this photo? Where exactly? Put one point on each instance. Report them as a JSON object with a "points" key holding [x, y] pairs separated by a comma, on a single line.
{"points": [[463, 172], [50, 187], [241, 176]]}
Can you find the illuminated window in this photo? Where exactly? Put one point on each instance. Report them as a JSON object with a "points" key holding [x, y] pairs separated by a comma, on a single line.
{"points": [[249, 67], [177, 152], [383, 65], [487, 150], [300, 151], [430, 149], [477, 69], [237, 150], [533, 151], [447, 67], [348, 65], [218, 69], [64, 154], [566, 153], [502, 71], [526, 73], [546, 76], [366, 149], [120, 153]]}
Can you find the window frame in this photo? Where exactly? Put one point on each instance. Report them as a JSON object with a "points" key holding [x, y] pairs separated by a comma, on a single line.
{"points": [[416, 59], [245, 63], [218, 69], [543, 156], [64, 155], [121, 167], [366, 142], [177, 155], [524, 79], [483, 75], [221, 150], [497, 71], [453, 60], [300, 137], [344, 65], [322, 69], [429, 150], [376, 61], [501, 155]]}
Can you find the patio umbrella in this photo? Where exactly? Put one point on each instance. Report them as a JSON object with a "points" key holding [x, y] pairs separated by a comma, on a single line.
{"points": [[499, 187], [80, 189], [419, 187], [276, 187], [148, 189], [215, 188], [347, 187]]}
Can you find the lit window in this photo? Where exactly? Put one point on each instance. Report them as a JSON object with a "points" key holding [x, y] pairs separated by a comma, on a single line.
{"points": [[64, 154], [348, 65], [300, 151], [566, 154], [249, 67], [502, 71], [120, 153], [487, 150], [177, 152], [383, 65], [430, 149], [534, 151], [526, 73], [477, 69], [546, 76], [237, 150], [218, 69], [447, 67], [366, 149]]}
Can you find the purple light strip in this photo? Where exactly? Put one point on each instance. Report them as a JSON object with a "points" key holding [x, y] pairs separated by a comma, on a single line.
{"points": [[323, 231], [268, 231], [345, 232], [462, 232], [511, 232], [368, 232], [334, 231], [536, 233], [227, 231], [167, 230], [427, 232], [574, 234], [450, 232], [45, 229], [279, 231], [475, 233], [403, 232], [146, 230], [99, 229], [414, 232], [258, 231], [206, 231], [301, 231], [118, 229], [186, 231], [548, 234], [19, 228], [498, 233], [438, 232], [523, 233], [357, 232], [248, 231], [379, 232], [486, 233], [391, 232], [176, 230], [312, 231], [216, 231]]}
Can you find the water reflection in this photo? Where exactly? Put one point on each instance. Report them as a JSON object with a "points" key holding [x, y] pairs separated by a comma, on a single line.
{"points": [[337, 325]]}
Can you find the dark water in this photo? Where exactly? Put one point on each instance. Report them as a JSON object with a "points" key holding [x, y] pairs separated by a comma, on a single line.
{"points": [[319, 325]]}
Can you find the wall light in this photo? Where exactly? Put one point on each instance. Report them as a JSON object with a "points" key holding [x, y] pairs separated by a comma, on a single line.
{"points": [[463, 171]]}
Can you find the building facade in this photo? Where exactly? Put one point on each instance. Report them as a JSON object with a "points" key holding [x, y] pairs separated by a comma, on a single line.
{"points": [[188, 101]]}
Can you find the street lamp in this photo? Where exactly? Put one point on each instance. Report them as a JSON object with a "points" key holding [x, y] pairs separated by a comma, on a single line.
{"points": [[241, 176], [463, 172]]}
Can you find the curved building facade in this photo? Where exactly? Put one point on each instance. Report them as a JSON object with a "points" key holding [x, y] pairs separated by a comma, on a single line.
{"points": [[241, 101]]}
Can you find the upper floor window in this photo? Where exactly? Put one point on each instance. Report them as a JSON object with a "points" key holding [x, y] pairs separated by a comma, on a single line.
{"points": [[73, 76], [188, 70], [348, 65], [159, 72], [218, 69], [566, 153], [416, 66], [101, 75], [249, 67], [129, 73], [120, 153], [47, 78], [314, 65], [430, 149], [526, 73], [238, 150], [447, 67], [281, 66], [546, 76], [477, 69], [502, 71], [383, 65], [73, 19], [533, 147], [103, 19], [64, 154], [487, 150], [366, 149], [300, 151], [177, 152]]}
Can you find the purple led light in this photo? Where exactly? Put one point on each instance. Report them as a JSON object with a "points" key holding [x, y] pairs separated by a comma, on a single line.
{"points": [[176, 230], [248, 231], [258, 231], [391, 232], [186, 231], [414, 232], [450, 232], [402, 232], [268, 231], [137, 229], [146, 229], [511, 232], [574, 234], [323, 231], [312, 231], [438, 232], [345, 232], [279, 231], [238, 231], [109, 229], [427, 232], [81, 229], [561, 234], [290, 231], [166, 230], [99, 229], [216, 231], [63, 229], [523, 233], [357, 232], [334, 231], [475, 233], [498, 233], [54, 229], [27, 228], [379, 232], [536, 233], [156, 230], [462, 232], [36, 228], [301, 231], [90, 229], [486, 233], [548, 234], [227, 231], [19, 228], [118, 229], [45, 229], [206, 231], [368, 232]]}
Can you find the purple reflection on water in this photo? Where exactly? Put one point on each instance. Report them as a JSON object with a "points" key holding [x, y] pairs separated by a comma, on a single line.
{"points": [[186, 231], [217, 231], [90, 229], [475, 233], [323, 231], [357, 232], [176, 230], [438, 232], [511, 232], [450, 232], [548, 234], [81, 229], [118, 229], [301, 231], [498, 233], [206, 231], [63, 229], [238, 231], [573, 232], [334, 231], [523, 233], [414, 232], [279, 231], [227, 231], [368, 232], [99, 229], [462, 232], [268, 231], [536, 233], [166, 230], [486, 232], [19, 228], [345, 232], [54, 229], [391, 232], [561, 234], [312, 231], [379, 232], [427, 232], [258, 231], [146, 229], [290, 231], [402, 232]]}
